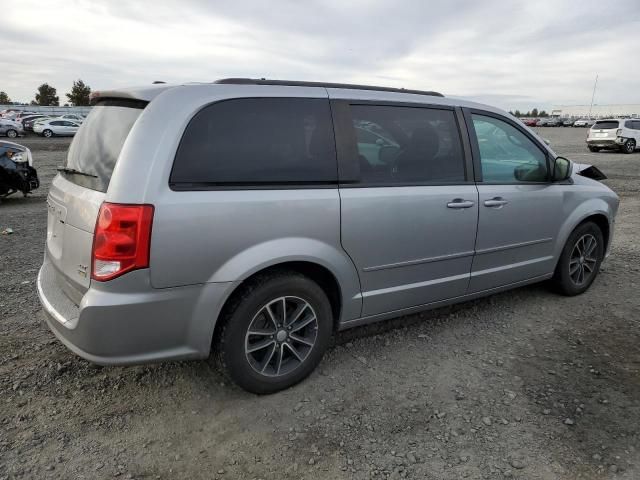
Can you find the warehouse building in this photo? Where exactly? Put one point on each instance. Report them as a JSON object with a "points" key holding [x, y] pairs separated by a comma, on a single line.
{"points": [[597, 111]]}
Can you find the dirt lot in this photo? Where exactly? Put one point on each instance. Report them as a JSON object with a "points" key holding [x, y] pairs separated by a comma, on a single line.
{"points": [[525, 384]]}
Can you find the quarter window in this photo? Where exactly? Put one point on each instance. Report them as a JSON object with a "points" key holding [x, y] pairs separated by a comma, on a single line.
{"points": [[258, 141], [507, 155], [407, 145]]}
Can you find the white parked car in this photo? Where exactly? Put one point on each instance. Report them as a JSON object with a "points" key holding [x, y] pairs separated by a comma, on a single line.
{"points": [[72, 117], [56, 126], [617, 133], [583, 122]]}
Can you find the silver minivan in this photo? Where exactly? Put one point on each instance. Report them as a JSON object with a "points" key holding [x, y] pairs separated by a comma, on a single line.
{"points": [[249, 220]]}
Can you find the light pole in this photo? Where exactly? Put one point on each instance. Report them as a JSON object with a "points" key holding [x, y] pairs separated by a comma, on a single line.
{"points": [[593, 96]]}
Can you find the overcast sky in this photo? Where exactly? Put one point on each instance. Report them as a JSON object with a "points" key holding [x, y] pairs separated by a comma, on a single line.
{"points": [[511, 54]]}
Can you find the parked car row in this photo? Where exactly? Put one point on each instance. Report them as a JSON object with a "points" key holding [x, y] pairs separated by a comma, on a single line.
{"points": [[14, 124], [557, 122]]}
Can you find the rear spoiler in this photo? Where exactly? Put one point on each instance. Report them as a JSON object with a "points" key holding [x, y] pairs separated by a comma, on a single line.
{"points": [[145, 93]]}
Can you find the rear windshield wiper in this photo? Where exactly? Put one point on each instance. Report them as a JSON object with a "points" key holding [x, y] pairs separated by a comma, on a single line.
{"points": [[75, 172]]}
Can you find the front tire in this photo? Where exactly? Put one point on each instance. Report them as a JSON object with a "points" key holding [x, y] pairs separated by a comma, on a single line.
{"points": [[12, 133], [274, 332], [629, 146], [47, 133], [580, 260]]}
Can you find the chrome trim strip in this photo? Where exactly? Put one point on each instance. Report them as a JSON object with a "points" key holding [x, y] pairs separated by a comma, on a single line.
{"points": [[511, 265], [418, 261], [512, 245], [409, 286]]}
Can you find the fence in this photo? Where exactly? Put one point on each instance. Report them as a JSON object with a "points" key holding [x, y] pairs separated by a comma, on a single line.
{"points": [[47, 110]]}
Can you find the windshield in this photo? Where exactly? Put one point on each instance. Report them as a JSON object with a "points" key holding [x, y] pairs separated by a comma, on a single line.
{"points": [[96, 146], [606, 125]]}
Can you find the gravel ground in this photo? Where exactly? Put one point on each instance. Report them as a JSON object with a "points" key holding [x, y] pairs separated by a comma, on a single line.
{"points": [[524, 384]]}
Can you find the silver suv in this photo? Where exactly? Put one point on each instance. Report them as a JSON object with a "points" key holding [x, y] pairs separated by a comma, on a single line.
{"points": [[252, 219], [617, 133]]}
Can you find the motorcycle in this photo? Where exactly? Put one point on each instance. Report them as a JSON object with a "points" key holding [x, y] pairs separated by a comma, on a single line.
{"points": [[16, 170]]}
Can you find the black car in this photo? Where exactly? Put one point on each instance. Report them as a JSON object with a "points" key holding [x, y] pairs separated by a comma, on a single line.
{"points": [[16, 170], [27, 122]]}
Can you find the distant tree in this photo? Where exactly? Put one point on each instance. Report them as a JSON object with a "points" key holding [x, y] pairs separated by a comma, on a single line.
{"points": [[4, 98], [528, 114], [33, 102], [46, 95], [544, 114], [80, 93], [518, 114], [534, 112]]}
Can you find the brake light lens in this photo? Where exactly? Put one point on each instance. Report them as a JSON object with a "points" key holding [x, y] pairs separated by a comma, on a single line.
{"points": [[619, 132], [121, 241]]}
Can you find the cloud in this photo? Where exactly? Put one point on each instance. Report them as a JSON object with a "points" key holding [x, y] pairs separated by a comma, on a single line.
{"points": [[513, 54]]}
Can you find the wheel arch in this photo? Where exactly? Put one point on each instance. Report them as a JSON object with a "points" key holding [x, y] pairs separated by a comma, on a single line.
{"points": [[314, 271], [597, 212]]}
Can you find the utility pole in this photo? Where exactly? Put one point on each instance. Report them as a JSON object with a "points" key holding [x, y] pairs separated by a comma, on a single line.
{"points": [[593, 96]]}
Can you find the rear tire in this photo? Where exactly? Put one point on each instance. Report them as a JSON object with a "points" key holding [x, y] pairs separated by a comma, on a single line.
{"points": [[47, 133], [594, 149], [12, 133], [580, 260], [292, 321], [629, 146]]}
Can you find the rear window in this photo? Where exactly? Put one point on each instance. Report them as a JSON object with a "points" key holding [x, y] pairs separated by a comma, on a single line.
{"points": [[97, 144], [606, 125], [257, 141]]}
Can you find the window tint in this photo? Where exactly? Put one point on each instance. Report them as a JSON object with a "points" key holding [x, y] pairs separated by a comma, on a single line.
{"points": [[606, 125], [407, 145], [258, 141], [57, 123], [507, 155]]}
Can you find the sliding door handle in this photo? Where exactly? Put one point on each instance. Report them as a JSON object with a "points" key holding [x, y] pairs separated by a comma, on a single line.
{"points": [[460, 203]]}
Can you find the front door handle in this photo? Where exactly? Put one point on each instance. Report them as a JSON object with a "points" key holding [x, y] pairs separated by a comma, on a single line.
{"points": [[495, 202], [460, 203]]}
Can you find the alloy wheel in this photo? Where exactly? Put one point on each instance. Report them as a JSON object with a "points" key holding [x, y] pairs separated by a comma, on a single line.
{"points": [[281, 336], [582, 263]]}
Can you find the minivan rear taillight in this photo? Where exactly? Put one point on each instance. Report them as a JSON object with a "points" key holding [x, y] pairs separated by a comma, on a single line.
{"points": [[619, 132], [121, 241]]}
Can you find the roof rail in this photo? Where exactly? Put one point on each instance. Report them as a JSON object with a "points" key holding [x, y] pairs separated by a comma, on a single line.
{"points": [[294, 83]]}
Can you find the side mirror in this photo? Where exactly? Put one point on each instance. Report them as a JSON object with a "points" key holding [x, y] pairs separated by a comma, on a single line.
{"points": [[546, 141], [561, 169]]}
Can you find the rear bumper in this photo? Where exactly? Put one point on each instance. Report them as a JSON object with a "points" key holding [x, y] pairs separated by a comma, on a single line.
{"points": [[126, 321], [604, 143]]}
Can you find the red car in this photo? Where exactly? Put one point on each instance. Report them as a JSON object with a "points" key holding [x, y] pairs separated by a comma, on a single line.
{"points": [[530, 122]]}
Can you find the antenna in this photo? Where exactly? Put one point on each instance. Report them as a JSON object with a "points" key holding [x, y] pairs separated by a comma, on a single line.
{"points": [[593, 96]]}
